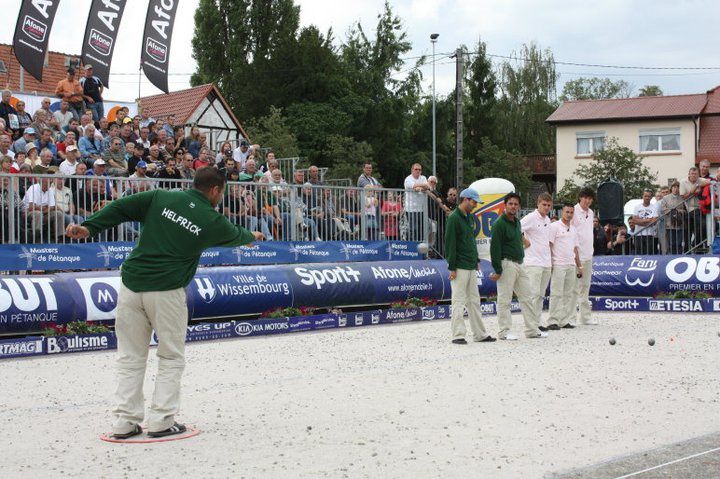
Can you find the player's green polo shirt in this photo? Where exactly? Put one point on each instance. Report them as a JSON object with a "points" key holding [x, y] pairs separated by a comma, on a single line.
{"points": [[177, 227]]}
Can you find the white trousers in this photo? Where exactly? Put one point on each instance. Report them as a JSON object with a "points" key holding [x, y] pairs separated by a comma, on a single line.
{"points": [[539, 278], [564, 284], [137, 315], [581, 298], [514, 278], [465, 295]]}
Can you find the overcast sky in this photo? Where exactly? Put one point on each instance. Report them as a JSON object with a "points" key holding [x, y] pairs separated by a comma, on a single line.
{"points": [[657, 33]]}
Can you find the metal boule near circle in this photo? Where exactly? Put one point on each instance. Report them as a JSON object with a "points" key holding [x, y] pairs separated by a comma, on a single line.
{"points": [[612, 341], [651, 342]]}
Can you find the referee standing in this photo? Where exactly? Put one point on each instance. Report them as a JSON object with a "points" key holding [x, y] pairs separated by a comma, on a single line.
{"points": [[177, 227], [507, 253], [462, 257]]}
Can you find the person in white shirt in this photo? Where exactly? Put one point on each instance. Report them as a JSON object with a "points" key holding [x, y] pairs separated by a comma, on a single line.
{"points": [[583, 222], [64, 201], [646, 216], [416, 203], [537, 261], [566, 268], [68, 166], [63, 115], [44, 220], [241, 153]]}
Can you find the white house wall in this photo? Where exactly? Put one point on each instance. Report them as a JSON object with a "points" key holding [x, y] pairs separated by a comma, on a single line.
{"points": [[666, 165]]}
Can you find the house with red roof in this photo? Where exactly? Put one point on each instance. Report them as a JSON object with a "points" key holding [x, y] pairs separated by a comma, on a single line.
{"points": [[202, 106], [672, 133]]}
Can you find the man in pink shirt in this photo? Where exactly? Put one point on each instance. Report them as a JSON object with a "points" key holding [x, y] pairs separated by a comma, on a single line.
{"points": [[566, 269], [537, 262], [583, 223]]}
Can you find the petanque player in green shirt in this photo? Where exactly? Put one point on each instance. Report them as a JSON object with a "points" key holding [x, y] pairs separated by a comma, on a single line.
{"points": [[507, 253], [177, 227], [462, 257]]}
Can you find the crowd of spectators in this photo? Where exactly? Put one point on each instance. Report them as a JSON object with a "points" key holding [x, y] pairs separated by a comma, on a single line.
{"points": [[128, 154], [670, 220]]}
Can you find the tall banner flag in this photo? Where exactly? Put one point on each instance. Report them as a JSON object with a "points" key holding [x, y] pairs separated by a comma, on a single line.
{"points": [[100, 35], [32, 33], [155, 55]]}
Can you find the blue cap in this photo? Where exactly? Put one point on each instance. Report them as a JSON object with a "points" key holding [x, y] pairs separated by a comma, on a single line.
{"points": [[471, 194], [141, 164]]}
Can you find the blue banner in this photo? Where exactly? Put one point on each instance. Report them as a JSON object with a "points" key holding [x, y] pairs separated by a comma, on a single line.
{"points": [[30, 303], [87, 256]]}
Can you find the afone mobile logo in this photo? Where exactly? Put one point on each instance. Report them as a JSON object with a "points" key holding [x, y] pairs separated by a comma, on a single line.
{"points": [[206, 289], [156, 50], [34, 28], [100, 42]]}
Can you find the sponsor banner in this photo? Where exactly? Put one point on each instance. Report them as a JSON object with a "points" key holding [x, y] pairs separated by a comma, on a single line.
{"points": [[17, 348], [32, 32], [155, 56], [656, 305], [46, 257], [80, 343], [30, 303], [100, 35], [207, 331]]}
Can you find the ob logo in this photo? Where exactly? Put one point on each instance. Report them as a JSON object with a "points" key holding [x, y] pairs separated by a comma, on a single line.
{"points": [[104, 297], [206, 289], [243, 329]]}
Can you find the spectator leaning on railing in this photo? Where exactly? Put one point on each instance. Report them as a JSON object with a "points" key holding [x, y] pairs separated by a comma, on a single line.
{"points": [[646, 216], [690, 190], [41, 213], [366, 178], [672, 208], [415, 203]]}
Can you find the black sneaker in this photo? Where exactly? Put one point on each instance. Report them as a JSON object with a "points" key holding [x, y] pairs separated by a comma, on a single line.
{"points": [[568, 326], [488, 339], [127, 435], [459, 341], [553, 327], [174, 429], [543, 328]]}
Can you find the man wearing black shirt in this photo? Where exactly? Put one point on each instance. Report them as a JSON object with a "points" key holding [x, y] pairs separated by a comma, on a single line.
{"points": [[137, 155], [92, 93]]}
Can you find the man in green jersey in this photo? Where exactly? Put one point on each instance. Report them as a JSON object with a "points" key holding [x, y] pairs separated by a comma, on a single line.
{"points": [[177, 227], [462, 257], [507, 253]]}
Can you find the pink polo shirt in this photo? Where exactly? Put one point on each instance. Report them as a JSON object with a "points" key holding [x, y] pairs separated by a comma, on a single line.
{"points": [[564, 240], [583, 223], [536, 229]]}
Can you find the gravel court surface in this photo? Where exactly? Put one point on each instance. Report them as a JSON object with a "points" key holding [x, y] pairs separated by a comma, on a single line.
{"points": [[383, 401]]}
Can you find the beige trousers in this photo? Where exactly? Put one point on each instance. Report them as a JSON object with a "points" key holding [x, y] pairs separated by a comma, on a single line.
{"points": [[514, 278], [137, 315], [564, 284], [465, 295], [581, 298], [539, 278]]}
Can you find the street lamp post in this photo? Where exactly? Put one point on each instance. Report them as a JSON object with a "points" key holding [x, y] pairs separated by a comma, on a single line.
{"points": [[433, 40]]}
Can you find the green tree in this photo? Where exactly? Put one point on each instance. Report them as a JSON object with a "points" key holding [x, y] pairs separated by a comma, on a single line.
{"points": [[616, 162], [481, 104], [595, 89], [241, 45], [494, 162], [348, 157], [273, 131], [528, 85], [650, 90], [382, 103]]}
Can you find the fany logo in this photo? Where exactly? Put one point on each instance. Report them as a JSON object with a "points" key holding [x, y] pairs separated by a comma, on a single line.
{"points": [[641, 272], [206, 289], [428, 314]]}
